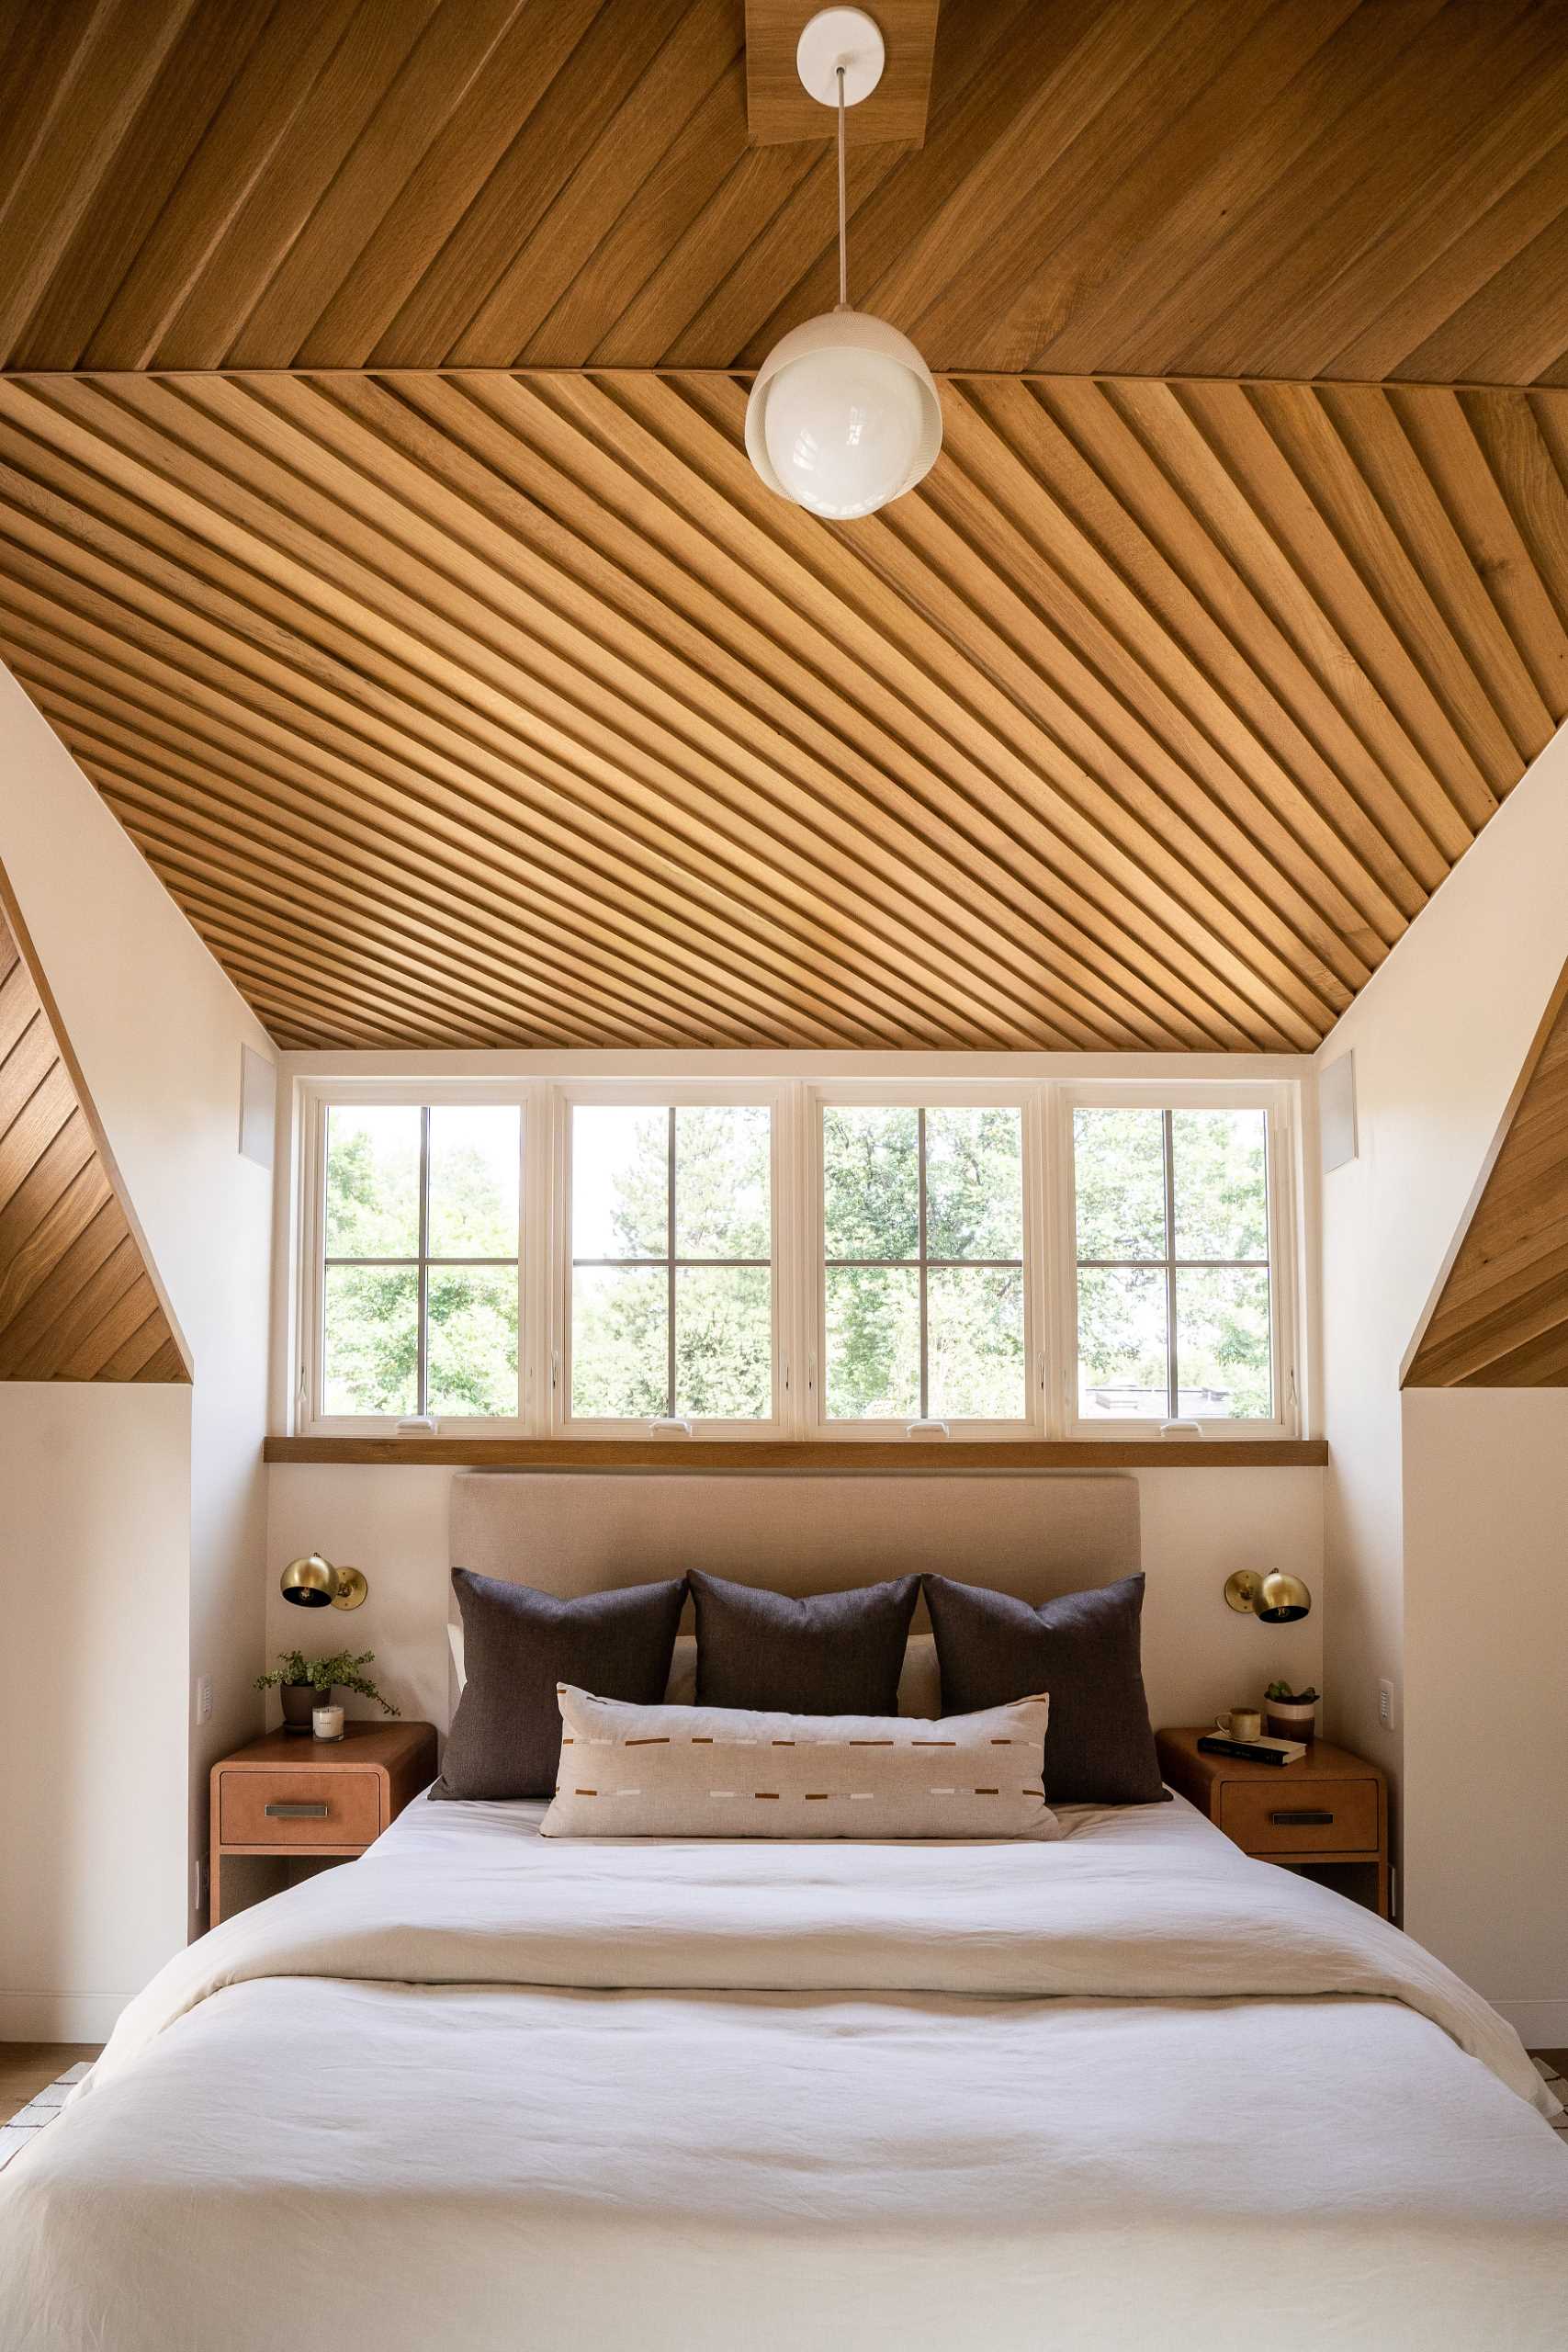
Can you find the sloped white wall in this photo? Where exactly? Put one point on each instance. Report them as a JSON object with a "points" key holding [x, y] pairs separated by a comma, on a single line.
{"points": [[158, 1030], [1439, 1034]]}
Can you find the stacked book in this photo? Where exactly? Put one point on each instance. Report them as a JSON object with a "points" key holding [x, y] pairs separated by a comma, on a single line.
{"points": [[1252, 1751]]}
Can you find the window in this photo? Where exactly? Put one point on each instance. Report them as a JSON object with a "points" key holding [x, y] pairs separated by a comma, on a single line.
{"points": [[420, 1263], [852, 1258], [1175, 1306], [923, 1274], [672, 1261]]}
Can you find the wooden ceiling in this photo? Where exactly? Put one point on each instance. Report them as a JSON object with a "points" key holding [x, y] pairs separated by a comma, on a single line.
{"points": [[79, 1298], [466, 687], [1500, 1318], [1227, 187]]}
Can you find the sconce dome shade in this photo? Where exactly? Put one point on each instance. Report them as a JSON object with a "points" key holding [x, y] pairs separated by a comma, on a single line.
{"points": [[1282, 1599], [843, 416], [312, 1582], [309, 1583]]}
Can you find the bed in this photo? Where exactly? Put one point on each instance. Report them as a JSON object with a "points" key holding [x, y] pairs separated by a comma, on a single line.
{"points": [[488, 2089]]}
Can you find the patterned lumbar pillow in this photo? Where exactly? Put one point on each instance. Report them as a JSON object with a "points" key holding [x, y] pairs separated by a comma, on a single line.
{"points": [[631, 1771]]}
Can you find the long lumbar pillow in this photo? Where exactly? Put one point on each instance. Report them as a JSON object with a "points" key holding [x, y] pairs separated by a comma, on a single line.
{"points": [[634, 1771]]}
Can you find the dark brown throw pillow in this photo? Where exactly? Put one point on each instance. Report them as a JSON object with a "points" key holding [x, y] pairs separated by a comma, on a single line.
{"points": [[518, 1645], [1082, 1650], [834, 1654]]}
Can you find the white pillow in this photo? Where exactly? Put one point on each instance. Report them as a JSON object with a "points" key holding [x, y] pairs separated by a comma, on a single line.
{"points": [[629, 1771]]}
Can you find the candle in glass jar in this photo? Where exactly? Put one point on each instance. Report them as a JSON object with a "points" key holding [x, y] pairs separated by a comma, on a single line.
{"points": [[327, 1722]]}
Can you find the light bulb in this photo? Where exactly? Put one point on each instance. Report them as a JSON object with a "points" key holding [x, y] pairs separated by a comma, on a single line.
{"points": [[843, 431], [843, 416]]}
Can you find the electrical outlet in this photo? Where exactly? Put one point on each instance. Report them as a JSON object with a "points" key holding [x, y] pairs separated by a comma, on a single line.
{"points": [[204, 1698], [1385, 1703]]}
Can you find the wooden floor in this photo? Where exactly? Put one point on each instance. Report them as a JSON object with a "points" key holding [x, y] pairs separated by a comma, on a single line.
{"points": [[28, 2067]]}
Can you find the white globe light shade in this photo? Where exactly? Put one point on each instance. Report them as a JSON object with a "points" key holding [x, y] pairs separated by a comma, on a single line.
{"points": [[843, 416]]}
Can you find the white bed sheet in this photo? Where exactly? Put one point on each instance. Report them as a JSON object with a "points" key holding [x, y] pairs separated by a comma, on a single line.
{"points": [[490, 2164]]}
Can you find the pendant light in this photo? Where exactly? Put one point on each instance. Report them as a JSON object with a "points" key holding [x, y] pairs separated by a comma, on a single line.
{"points": [[843, 415]]}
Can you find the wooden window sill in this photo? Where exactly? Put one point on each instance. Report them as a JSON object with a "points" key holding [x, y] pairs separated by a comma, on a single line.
{"points": [[698, 1453]]}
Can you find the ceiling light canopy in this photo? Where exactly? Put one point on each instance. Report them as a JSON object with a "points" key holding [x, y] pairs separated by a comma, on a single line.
{"points": [[844, 416]]}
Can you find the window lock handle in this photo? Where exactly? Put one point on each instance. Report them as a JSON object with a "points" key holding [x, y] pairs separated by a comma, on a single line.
{"points": [[926, 1428], [668, 1425]]}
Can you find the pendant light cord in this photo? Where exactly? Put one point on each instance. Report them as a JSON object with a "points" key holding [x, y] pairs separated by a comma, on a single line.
{"points": [[843, 233]]}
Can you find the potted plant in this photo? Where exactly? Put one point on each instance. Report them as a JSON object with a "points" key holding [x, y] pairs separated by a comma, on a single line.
{"points": [[305, 1683], [1291, 1714]]}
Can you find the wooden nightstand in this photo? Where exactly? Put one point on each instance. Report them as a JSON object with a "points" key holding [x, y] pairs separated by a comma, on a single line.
{"points": [[1331, 1807], [290, 1795]]}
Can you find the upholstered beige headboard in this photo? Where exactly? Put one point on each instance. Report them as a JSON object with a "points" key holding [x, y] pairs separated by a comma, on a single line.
{"points": [[574, 1532]]}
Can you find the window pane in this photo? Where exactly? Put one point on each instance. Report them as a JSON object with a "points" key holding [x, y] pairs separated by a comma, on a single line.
{"points": [[974, 1184], [722, 1181], [724, 1342], [472, 1345], [620, 1327], [370, 1328], [1118, 1178], [1220, 1160], [872, 1182], [372, 1181], [975, 1345], [473, 1180], [1121, 1343], [620, 1181], [1222, 1344], [873, 1343]]}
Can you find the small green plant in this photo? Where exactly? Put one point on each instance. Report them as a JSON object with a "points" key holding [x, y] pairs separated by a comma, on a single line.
{"points": [[1293, 1698], [339, 1672]]}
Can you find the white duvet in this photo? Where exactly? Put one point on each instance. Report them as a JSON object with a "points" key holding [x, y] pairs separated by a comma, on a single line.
{"points": [[485, 2090]]}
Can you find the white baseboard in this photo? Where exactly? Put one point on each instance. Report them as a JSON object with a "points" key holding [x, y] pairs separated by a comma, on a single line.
{"points": [[60, 2017], [1540, 2024]]}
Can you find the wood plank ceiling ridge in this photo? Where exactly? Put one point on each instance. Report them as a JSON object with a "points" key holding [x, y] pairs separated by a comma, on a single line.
{"points": [[377, 533], [509, 708], [1361, 189]]}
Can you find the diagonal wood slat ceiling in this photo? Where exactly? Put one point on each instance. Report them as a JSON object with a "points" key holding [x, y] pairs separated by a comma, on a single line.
{"points": [[377, 534], [1348, 188], [479, 709]]}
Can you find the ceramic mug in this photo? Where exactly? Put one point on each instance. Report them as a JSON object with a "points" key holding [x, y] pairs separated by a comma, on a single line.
{"points": [[1241, 1723]]}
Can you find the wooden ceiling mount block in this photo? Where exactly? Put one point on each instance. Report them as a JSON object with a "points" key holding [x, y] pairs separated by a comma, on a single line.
{"points": [[80, 1298], [1499, 1314], [778, 111]]}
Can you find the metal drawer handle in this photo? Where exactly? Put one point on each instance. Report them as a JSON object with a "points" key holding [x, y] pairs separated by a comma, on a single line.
{"points": [[1301, 1820], [297, 1812]]}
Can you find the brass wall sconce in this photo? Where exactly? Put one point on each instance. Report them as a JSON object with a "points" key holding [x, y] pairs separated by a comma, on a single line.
{"points": [[314, 1583], [1276, 1599]]}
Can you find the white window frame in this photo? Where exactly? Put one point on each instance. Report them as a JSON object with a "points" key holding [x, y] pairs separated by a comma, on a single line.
{"points": [[318, 1097], [933, 1096], [659, 1094], [1277, 1101], [1046, 1101]]}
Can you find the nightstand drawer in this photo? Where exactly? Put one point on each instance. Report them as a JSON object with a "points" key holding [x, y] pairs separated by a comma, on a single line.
{"points": [[330, 1807], [1313, 1817]]}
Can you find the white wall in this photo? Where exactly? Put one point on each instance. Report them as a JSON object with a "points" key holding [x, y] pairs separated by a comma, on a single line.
{"points": [[158, 1031], [94, 1545], [1439, 1034], [1198, 1525], [1486, 1669]]}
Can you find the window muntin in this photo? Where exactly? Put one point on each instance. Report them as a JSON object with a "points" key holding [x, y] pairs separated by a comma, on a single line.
{"points": [[420, 1260], [1174, 1286], [671, 1308], [923, 1262]]}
